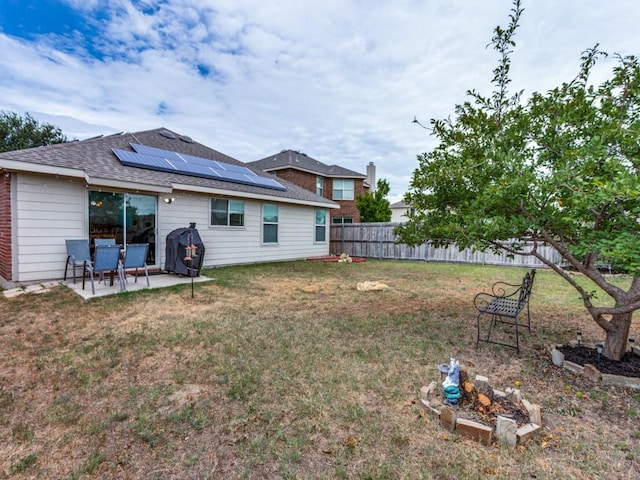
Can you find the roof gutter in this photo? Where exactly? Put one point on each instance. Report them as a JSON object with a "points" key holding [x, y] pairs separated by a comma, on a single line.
{"points": [[17, 166], [315, 172], [120, 184], [252, 196]]}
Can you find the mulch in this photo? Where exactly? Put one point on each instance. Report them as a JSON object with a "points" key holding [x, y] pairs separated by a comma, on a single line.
{"points": [[629, 366]]}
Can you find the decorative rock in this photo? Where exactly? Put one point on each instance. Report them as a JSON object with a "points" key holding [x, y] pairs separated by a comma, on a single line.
{"points": [[499, 394], [526, 433], [620, 381], [535, 412], [476, 430], [426, 393], [514, 395], [32, 288], [557, 357], [13, 292], [481, 381], [592, 373], [574, 367], [429, 408], [506, 430], [448, 418]]}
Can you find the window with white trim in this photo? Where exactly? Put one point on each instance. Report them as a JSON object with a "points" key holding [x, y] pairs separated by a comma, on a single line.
{"points": [[343, 189], [339, 220], [321, 225], [269, 223], [319, 186], [227, 212]]}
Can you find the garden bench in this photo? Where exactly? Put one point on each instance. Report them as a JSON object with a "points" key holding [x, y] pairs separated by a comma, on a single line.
{"points": [[505, 304]]}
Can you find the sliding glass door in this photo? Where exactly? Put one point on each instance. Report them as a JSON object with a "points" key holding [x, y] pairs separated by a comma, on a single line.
{"points": [[124, 217]]}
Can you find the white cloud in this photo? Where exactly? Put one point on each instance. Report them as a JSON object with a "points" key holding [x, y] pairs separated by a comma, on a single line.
{"points": [[339, 80]]}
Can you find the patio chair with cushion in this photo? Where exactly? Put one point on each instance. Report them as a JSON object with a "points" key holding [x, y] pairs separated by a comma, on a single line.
{"points": [[106, 258], [78, 255], [135, 257]]}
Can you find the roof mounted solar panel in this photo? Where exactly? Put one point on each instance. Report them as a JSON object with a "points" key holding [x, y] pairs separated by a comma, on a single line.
{"points": [[173, 162]]}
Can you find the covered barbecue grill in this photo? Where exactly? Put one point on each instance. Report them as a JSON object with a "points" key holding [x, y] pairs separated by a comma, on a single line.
{"points": [[176, 258]]}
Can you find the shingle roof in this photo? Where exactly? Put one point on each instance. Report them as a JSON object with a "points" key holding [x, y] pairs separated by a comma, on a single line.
{"points": [[301, 161], [95, 158]]}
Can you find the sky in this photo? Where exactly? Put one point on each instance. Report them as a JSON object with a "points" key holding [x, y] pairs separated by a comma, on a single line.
{"points": [[340, 80]]}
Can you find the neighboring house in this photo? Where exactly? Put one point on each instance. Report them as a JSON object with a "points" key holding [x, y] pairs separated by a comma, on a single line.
{"points": [[399, 211], [329, 181], [116, 186]]}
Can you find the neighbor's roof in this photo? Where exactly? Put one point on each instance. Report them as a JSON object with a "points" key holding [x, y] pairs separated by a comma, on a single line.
{"points": [[400, 204], [94, 160], [301, 161]]}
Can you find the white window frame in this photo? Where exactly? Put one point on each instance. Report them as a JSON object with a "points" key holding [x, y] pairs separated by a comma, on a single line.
{"points": [[341, 190], [233, 208], [341, 220], [266, 223], [319, 186], [322, 225]]}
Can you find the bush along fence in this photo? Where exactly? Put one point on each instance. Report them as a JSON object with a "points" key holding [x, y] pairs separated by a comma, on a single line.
{"points": [[377, 240]]}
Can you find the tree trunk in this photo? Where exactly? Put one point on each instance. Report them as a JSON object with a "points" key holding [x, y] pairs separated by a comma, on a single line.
{"points": [[615, 344]]}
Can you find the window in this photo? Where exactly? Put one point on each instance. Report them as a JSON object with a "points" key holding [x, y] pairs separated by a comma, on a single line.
{"points": [[321, 225], [342, 220], [319, 186], [342, 189], [227, 212], [269, 223]]}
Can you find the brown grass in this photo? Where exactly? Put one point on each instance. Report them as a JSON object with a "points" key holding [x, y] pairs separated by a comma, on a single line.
{"points": [[287, 371]]}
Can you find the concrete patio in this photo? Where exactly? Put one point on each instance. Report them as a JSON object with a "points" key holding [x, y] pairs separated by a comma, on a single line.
{"points": [[104, 288]]}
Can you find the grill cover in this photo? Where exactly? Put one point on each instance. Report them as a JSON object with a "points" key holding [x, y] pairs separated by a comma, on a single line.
{"points": [[177, 241]]}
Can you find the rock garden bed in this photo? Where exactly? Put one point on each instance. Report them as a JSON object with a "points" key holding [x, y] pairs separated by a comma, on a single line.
{"points": [[585, 360], [484, 413]]}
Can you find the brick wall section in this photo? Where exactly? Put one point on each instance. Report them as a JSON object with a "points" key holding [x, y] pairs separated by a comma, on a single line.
{"points": [[5, 226], [307, 181]]}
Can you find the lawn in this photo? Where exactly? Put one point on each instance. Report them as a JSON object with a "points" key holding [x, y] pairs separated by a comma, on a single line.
{"points": [[287, 371]]}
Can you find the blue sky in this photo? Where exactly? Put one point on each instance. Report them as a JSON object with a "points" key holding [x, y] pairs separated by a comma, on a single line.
{"points": [[340, 80]]}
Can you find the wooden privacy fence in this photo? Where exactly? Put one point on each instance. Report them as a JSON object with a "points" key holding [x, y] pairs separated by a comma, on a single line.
{"points": [[377, 240]]}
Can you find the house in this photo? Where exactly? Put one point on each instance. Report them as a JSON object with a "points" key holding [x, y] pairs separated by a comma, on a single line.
{"points": [[399, 211], [333, 182], [138, 187]]}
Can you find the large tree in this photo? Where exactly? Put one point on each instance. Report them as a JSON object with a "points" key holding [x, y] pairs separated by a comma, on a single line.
{"points": [[374, 206], [18, 132], [559, 168]]}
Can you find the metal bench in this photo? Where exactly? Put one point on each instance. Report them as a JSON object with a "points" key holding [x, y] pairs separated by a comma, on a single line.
{"points": [[505, 304]]}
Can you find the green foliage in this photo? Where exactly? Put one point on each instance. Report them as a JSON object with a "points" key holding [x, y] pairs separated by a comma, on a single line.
{"points": [[560, 168], [18, 132], [374, 206]]}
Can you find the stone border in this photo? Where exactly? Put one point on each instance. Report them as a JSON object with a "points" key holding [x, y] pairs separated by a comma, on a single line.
{"points": [[506, 430], [591, 371], [34, 288]]}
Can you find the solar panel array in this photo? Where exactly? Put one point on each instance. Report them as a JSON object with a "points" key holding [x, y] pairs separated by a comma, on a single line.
{"points": [[174, 162]]}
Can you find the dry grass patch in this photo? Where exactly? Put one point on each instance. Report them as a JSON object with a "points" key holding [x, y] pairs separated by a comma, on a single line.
{"points": [[287, 371]]}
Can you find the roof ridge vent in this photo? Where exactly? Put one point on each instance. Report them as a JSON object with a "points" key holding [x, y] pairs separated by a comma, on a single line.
{"points": [[167, 134]]}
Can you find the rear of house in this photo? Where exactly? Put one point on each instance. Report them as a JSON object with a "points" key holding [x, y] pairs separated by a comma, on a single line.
{"points": [[102, 188], [332, 182]]}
